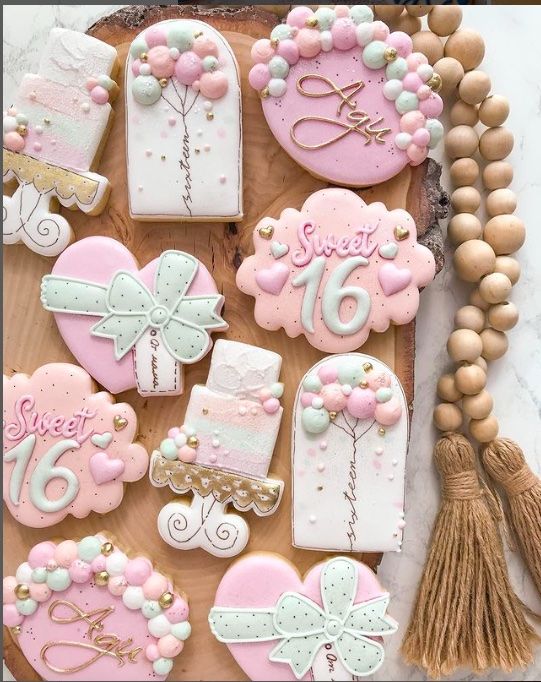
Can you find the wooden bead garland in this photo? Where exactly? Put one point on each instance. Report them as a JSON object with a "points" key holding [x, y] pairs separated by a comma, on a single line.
{"points": [[463, 114], [429, 44], [463, 227], [467, 46], [496, 144], [444, 20], [451, 73], [464, 172], [497, 174]]}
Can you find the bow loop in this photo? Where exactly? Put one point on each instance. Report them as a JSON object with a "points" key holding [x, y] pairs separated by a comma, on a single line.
{"points": [[296, 615]]}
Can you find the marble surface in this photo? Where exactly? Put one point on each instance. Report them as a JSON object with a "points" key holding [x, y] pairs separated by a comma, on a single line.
{"points": [[515, 381]]}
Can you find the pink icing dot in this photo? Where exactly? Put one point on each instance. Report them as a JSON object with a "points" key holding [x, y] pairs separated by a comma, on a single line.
{"points": [[40, 554], [9, 584], [152, 653], [178, 611], [37, 146], [380, 31], [424, 92], [415, 60], [172, 121], [66, 553], [388, 413], [98, 564], [175, 431], [333, 398], [328, 373], [306, 399], [169, 646], [421, 137], [411, 82], [80, 571], [161, 62], [117, 585], [187, 454], [362, 403], [13, 141], [416, 155], [188, 68], [271, 406], [259, 76], [99, 95], [155, 36], [432, 106], [289, 51], [138, 570], [11, 616], [409, 123], [401, 42], [265, 394], [262, 50], [308, 42], [343, 34], [155, 586], [135, 67], [92, 82], [298, 16], [213, 84], [204, 47], [39, 592], [378, 380], [341, 10]]}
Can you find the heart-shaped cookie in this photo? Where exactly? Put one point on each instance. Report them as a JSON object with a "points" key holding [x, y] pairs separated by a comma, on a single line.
{"points": [[280, 627]]}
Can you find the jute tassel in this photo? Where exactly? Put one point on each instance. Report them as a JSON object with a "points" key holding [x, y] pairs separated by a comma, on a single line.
{"points": [[466, 612], [504, 462]]}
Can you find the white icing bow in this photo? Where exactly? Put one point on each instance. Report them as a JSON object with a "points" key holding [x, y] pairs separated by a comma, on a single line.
{"points": [[129, 309], [303, 627]]}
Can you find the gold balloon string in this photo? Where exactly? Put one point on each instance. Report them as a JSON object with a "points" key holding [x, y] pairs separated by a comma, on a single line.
{"points": [[334, 89], [359, 122]]}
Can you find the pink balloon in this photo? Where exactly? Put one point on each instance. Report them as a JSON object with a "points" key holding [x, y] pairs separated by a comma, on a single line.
{"points": [[333, 398], [362, 403], [13, 141], [40, 592], [380, 31], [421, 137], [80, 571], [388, 413], [411, 82], [9, 585], [138, 570], [289, 51], [187, 454], [416, 154], [155, 586], [306, 399], [188, 68], [259, 76], [213, 84], [271, 406], [344, 34], [92, 82], [117, 585], [12, 617], [161, 62], [341, 10], [178, 611], [135, 68], [152, 653], [155, 36], [99, 95], [169, 646], [424, 92], [262, 50], [378, 380], [66, 553], [432, 106], [401, 42], [298, 16], [309, 42], [204, 47], [411, 121], [40, 554], [415, 60], [328, 373], [98, 564]]}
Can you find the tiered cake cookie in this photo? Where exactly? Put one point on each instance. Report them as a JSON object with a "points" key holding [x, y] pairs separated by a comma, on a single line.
{"points": [[223, 451], [54, 132]]}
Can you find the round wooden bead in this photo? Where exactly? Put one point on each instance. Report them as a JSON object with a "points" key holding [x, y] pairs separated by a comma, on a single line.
{"points": [[444, 19], [474, 87], [447, 390], [496, 143], [461, 141], [429, 44], [451, 72], [505, 234], [470, 317], [464, 172], [497, 174], [474, 259], [508, 266], [495, 288], [482, 363], [463, 227], [388, 12], [501, 201], [418, 10], [476, 300], [503, 316], [407, 23], [447, 417], [494, 111], [464, 345], [484, 430], [467, 46], [495, 344], [470, 379], [478, 406], [463, 114], [465, 200]]}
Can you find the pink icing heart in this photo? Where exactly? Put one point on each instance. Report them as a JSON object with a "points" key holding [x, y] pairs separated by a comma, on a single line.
{"points": [[272, 279], [393, 279], [104, 469]]}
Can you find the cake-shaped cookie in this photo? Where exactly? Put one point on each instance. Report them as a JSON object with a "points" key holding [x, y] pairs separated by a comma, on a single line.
{"points": [[346, 98], [223, 451], [54, 132], [183, 124]]}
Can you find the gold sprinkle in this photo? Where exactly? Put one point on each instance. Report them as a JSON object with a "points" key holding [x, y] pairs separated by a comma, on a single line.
{"points": [[210, 116], [163, 157], [46, 120], [390, 54], [197, 150], [101, 578], [22, 591], [143, 56], [16, 631], [320, 488], [381, 431], [119, 422], [264, 93], [198, 34], [311, 22], [22, 130], [107, 548], [332, 416], [368, 366], [205, 410], [274, 42], [166, 600], [435, 82], [193, 442], [401, 233], [163, 82], [363, 383], [266, 232]]}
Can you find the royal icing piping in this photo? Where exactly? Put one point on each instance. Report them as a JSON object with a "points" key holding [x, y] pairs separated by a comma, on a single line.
{"points": [[163, 323], [337, 85], [349, 445], [222, 452], [85, 610], [60, 454], [183, 124], [52, 135], [335, 270]]}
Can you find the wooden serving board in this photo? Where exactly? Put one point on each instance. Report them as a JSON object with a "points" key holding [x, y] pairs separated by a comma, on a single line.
{"points": [[273, 181]]}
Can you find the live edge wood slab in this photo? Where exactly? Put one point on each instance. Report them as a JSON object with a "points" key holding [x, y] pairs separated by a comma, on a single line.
{"points": [[272, 182]]}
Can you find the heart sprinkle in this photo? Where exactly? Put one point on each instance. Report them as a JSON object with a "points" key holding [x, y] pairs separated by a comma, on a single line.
{"points": [[401, 233], [266, 232], [279, 250], [119, 422]]}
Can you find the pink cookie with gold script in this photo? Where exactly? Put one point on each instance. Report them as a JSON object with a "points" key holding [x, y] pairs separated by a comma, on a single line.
{"points": [[335, 270], [67, 449], [278, 626], [346, 98], [86, 611]]}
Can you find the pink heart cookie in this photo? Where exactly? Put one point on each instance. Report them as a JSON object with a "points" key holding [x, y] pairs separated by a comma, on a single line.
{"points": [[280, 627], [104, 469], [393, 279], [272, 279]]}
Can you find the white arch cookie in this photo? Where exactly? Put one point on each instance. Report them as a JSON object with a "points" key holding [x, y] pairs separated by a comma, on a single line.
{"points": [[349, 445], [53, 136], [183, 124]]}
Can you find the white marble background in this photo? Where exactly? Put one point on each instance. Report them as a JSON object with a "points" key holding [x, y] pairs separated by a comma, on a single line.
{"points": [[512, 38]]}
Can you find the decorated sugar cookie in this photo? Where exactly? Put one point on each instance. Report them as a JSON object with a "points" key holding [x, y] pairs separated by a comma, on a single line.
{"points": [[346, 98], [349, 445], [335, 270], [222, 452], [277, 626], [129, 327], [67, 449], [86, 611], [183, 124], [54, 131]]}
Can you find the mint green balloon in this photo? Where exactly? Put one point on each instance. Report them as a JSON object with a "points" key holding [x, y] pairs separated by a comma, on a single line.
{"points": [[137, 48], [406, 101], [435, 129], [168, 448], [278, 67], [89, 548], [26, 607], [59, 579], [397, 69], [315, 421], [162, 666], [373, 54], [277, 390], [325, 18], [350, 371], [39, 575], [210, 63], [361, 13], [151, 609], [146, 90], [383, 395], [281, 32], [181, 37], [105, 82], [181, 630], [312, 383]]}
